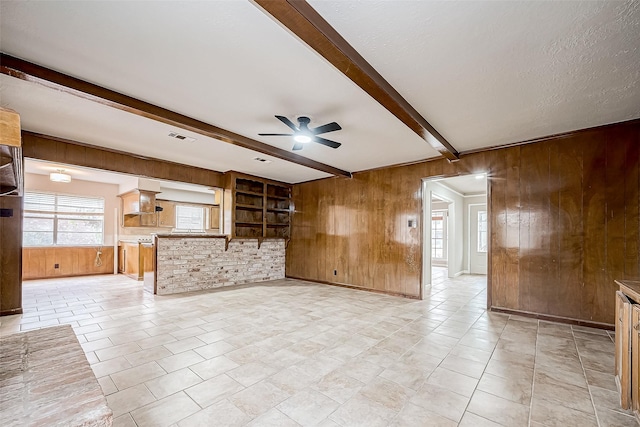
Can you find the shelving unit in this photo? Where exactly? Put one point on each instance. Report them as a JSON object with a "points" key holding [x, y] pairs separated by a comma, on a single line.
{"points": [[257, 207]]}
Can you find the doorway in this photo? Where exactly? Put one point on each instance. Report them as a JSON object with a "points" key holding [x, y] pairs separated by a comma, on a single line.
{"points": [[455, 232]]}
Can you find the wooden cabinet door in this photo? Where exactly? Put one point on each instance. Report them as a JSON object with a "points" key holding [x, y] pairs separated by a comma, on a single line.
{"points": [[214, 218], [166, 218], [623, 349], [635, 358]]}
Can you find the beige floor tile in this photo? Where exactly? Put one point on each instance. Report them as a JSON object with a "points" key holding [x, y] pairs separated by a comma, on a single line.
{"points": [[362, 412], [308, 407], [173, 382], [136, 375], [107, 385], [441, 401], [259, 398], [603, 398], [223, 413], [453, 381], [414, 415], [155, 341], [609, 418], [563, 394], [472, 420], [180, 360], [499, 410], [601, 379], [124, 421], [109, 367], [215, 349], [338, 386], [213, 390], [117, 351], [387, 393], [165, 412], [148, 355], [514, 389], [130, 399], [463, 366], [273, 418], [250, 373], [406, 375], [553, 415], [184, 345], [213, 367]]}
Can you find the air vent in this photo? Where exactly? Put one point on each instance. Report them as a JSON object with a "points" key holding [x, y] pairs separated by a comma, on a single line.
{"points": [[261, 160], [181, 137]]}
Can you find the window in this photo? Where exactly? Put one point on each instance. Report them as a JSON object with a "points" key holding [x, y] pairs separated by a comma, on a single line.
{"points": [[438, 238], [61, 219], [482, 231], [190, 218]]}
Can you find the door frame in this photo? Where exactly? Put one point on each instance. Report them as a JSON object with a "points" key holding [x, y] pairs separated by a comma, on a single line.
{"points": [[486, 205]]}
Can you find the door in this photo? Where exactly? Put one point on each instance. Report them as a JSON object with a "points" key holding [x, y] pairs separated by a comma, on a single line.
{"points": [[478, 239]]}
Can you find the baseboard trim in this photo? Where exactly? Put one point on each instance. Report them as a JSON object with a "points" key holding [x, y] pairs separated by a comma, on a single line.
{"points": [[552, 318], [359, 288], [460, 273], [11, 312]]}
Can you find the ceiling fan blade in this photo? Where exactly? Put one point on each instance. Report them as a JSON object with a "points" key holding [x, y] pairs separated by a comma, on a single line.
{"points": [[287, 122], [329, 127], [275, 134], [297, 146], [326, 142]]}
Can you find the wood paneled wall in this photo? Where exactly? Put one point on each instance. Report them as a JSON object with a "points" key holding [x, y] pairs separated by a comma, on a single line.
{"points": [[58, 150], [39, 263], [564, 224], [10, 256]]}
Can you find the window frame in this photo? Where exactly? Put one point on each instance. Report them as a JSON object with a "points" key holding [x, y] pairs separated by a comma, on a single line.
{"points": [[56, 215], [481, 231], [443, 214], [202, 208]]}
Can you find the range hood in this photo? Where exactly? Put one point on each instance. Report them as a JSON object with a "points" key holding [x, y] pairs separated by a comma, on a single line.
{"points": [[138, 202], [11, 175]]}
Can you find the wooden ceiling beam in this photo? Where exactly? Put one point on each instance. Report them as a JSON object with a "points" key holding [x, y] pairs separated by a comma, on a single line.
{"points": [[307, 24], [30, 72]]}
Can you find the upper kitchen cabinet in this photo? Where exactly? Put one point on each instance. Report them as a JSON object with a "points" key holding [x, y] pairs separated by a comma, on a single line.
{"points": [[255, 207], [166, 213], [139, 208]]}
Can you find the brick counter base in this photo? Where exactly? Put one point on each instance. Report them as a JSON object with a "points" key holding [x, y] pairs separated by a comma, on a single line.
{"points": [[194, 264]]}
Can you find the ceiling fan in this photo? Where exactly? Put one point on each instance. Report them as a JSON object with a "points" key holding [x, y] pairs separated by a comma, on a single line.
{"points": [[302, 134]]}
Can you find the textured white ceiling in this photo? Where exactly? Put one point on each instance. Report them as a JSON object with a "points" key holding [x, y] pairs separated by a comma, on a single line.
{"points": [[483, 73], [487, 73]]}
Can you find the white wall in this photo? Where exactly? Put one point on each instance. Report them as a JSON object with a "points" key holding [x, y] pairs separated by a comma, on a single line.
{"points": [[35, 182], [473, 200], [186, 196], [455, 225]]}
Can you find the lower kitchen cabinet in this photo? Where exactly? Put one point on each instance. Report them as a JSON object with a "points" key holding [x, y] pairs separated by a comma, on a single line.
{"points": [[134, 259], [627, 363]]}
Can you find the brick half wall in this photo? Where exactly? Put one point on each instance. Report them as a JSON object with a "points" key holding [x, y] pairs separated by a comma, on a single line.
{"points": [[195, 264]]}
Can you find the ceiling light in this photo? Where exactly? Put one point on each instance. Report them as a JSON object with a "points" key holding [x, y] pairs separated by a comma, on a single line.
{"points": [[302, 138], [59, 176], [481, 176]]}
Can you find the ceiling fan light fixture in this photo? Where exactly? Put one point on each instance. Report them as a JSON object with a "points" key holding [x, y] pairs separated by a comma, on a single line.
{"points": [[302, 138], [59, 176]]}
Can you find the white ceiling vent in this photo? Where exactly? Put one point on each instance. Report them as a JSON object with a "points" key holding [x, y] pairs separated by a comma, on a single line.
{"points": [[181, 137], [261, 160]]}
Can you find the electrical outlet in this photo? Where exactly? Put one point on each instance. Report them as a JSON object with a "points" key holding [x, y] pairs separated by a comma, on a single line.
{"points": [[335, 272], [56, 266]]}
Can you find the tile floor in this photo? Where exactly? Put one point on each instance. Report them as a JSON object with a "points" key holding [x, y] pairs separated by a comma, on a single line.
{"points": [[291, 353]]}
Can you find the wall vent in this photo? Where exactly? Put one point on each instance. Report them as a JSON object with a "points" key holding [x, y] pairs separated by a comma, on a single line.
{"points": [[181, 137]]}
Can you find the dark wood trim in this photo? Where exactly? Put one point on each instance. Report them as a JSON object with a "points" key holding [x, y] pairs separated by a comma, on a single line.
{"points": [[30, 72], [302, 20], [550, 318], [342, 285], [11, 312], [562, 135]]}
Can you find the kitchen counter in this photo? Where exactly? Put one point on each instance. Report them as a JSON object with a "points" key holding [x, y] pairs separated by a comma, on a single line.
{"points": [[193, 262]]}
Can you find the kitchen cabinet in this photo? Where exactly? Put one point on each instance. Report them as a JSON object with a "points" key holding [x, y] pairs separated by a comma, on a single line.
{"points": [[167, 216], [139, 209], [214, 218], [135, 259], [627, 342], [255, 207]]}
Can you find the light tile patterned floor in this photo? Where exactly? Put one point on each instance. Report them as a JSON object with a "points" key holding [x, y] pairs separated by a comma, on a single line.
{"points": [[292, 353]]}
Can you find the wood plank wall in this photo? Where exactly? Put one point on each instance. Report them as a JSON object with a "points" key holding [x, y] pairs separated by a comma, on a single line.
{"points": [[10, 256], [564, 224], [59, 150], [39, 263]]}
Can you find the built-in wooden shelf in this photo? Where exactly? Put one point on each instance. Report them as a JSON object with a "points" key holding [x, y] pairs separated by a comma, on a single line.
{"points": [[257, 207]]}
